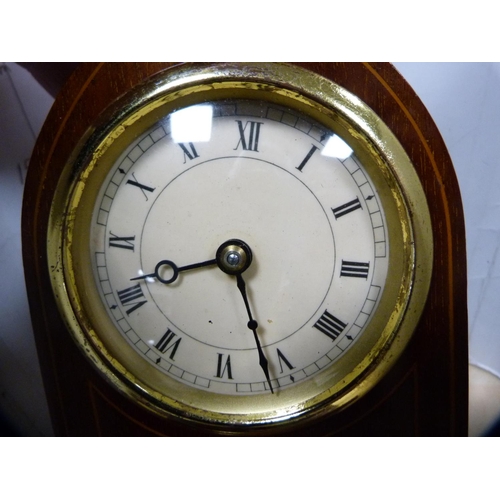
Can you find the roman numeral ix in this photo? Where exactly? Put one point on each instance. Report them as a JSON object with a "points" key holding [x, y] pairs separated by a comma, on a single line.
{"points": [[121, 241]]}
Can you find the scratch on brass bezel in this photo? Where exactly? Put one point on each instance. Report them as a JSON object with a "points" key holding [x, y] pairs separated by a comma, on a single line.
{"points": [[325, 102]]}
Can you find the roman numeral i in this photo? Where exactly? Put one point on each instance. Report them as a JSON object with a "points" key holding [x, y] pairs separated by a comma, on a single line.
{"points": [[307, 158]]}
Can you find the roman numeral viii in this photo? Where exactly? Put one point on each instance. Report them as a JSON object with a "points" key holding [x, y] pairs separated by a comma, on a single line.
{"points": [[131, 296], [330, 325], [249, 135]]}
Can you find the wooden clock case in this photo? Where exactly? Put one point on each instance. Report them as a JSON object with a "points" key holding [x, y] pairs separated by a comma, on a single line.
{"points": [[424, 394]]}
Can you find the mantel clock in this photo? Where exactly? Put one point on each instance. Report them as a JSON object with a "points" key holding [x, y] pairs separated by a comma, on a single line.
{"points": [[246, 249]]}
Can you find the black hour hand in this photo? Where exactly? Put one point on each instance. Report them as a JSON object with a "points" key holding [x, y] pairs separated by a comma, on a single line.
{"points": [[167, 272]]}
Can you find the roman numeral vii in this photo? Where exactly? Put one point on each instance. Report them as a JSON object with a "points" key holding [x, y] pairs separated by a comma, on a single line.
{"points": [[167, 342]]}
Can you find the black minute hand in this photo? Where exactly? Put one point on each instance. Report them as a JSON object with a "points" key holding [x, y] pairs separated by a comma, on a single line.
{"points": [[253, 325]]}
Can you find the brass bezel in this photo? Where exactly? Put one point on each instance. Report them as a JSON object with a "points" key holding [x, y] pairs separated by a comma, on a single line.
{"points": [[325, 102]]}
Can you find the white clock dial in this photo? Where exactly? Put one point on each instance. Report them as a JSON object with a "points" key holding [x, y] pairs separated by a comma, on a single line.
{"points": [[286, 186]]}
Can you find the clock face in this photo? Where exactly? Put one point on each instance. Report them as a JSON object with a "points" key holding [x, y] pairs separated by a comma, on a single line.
{"points": [[241, 256], [269, 176]]}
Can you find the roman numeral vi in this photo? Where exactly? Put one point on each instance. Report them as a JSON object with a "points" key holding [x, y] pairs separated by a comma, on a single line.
{"points": [[224, 368]]}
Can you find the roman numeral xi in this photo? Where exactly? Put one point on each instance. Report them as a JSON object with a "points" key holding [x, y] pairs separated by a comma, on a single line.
{"points": [[189, 151]]}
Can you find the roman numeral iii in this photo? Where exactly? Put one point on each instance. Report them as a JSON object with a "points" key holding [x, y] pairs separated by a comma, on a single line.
{"points": [[355, 269]]}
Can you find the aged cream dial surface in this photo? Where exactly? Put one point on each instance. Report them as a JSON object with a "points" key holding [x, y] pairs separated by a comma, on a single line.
{"points": [[241, 256]]}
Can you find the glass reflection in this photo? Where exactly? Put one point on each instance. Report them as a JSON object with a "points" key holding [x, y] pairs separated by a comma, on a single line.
{"points": [[337, 148], [193, 124]]}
